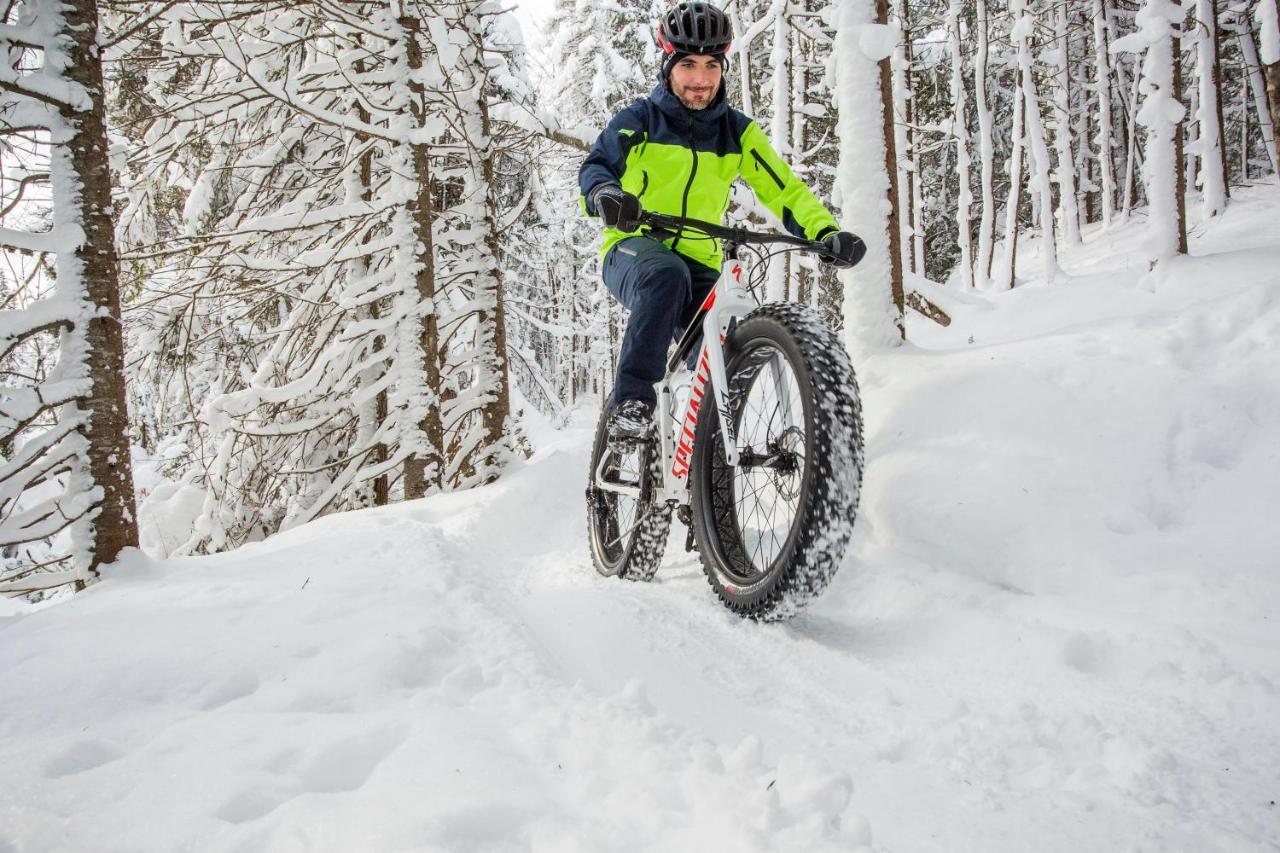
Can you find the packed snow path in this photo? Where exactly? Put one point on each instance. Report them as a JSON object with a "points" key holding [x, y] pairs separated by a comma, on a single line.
{"points": [[1056, 629]]}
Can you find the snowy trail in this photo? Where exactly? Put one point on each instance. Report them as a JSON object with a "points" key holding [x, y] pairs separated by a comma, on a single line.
{"points": [[1056, 630]]}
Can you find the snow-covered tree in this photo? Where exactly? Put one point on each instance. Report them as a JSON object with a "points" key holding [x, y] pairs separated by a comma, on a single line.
{"points": [[1211, 144], [1161, 114], [865, 192], [66, 489], [335, 300]]}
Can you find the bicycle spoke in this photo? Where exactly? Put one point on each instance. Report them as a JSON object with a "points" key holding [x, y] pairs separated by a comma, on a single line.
{"points": [[766, 494]]}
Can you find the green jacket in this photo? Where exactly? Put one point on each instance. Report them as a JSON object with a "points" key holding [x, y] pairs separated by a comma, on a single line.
{"points": [[682, 162]]}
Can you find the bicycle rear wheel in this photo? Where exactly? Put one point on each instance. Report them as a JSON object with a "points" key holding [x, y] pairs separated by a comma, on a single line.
{"points": [[773, 530], [628, 530]]}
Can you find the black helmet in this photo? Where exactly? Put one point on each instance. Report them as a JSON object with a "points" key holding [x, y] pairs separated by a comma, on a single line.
{"points": [[695, 28]]}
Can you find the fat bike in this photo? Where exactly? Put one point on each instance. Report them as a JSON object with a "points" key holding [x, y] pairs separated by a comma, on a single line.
{"points": [[757, 448]]}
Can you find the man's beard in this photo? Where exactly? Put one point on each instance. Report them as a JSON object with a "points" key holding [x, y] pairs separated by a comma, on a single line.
{"points": [[692, 106]]}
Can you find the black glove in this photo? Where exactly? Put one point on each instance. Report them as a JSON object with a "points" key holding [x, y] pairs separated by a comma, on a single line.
{"points": [[618, 209], [843, 250]]}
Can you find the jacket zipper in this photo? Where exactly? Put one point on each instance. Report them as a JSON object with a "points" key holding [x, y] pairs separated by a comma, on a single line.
{"points": [[684, 202], [756, 154], [644, 184]]}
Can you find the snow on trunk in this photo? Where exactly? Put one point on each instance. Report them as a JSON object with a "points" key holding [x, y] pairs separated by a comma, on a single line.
{"points": [[1038, 149], [1209, 147], [986, 148], [900, 145], [1160, 114], [66, 488], [779, 130], [1102, 86], [863, 188], [1068, 203], [1258, 85], [1268, 14], [1006, 274]]}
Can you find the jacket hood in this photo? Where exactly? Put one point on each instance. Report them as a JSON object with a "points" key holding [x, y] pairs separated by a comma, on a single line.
{"points": [[681, 115]]}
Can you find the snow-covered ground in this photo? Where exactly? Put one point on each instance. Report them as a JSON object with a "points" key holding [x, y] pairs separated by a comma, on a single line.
{"points": [[1058, 628]]}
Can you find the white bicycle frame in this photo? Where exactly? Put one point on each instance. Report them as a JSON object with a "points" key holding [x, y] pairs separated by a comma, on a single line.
{"points": [[728, 301]]}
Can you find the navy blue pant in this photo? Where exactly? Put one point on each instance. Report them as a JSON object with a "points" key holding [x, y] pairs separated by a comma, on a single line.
{"points": [[663, 291]]}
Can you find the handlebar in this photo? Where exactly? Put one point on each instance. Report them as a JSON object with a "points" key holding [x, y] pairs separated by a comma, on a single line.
{"points": [[740, 236]]}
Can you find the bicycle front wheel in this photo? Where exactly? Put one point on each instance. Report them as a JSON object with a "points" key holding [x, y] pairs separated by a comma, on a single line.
{"points": [[773, 530]]}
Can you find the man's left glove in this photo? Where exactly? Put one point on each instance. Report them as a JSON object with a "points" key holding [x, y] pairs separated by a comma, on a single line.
{"points": [[618, 209], [843, 250]]}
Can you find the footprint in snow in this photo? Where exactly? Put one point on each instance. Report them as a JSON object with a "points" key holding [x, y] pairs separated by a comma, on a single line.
{"points": [[80, 757], [235, 686], [347, 764], [251, 804]]}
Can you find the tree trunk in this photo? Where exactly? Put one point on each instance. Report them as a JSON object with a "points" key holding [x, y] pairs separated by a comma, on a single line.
{"points": [[115, 525], [960, 130], [1211, 144], [1217, 98], [866, 174], [890, 161], [916, 214], [1257, 83], [780, 134], [1179, 159], [902, 118], [377, 408], [1269, 19], [424, 472], [497, 413], [1008, 270], [1102, 83], [1038, 153], [1273, 97], [986, 148], [1068, 204]]}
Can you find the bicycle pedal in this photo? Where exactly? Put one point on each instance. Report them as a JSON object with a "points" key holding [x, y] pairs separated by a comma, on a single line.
{"points": [[685, 513]]}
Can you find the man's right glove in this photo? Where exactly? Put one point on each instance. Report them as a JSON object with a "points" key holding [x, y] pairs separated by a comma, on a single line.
{"points": [[617, 208], [843, 250]]}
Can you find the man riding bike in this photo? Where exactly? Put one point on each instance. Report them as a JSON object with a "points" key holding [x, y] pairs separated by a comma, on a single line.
{"points": [[677, 152]]}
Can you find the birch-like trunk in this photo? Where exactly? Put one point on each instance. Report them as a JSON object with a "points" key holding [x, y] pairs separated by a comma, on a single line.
{"points": [[901, 146], [1068, 202], [1102, 85], [986, 148], [960, 132], [1257, 85], [1007, 274], [1213, 175], [1131, 146], [1038, 151], [780, 132], [1269, 36], [1179, 149]]}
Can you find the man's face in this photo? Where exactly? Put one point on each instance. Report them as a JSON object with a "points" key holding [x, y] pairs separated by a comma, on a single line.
{"points": [[695, 80]]}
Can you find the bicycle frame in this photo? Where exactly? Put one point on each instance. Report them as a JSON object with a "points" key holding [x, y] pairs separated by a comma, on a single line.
{"points": [[728, 301]]}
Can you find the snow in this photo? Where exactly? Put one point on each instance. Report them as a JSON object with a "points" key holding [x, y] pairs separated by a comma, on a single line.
{"points": [[1267, 15], [1055, 628]]}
